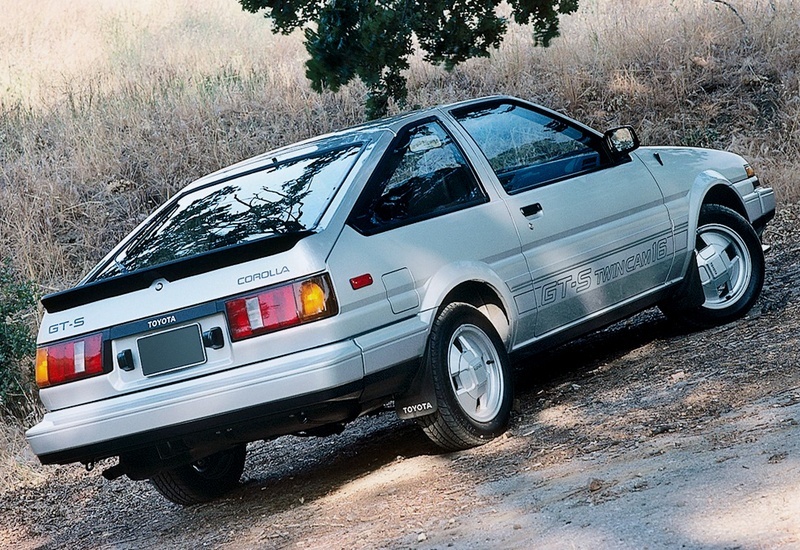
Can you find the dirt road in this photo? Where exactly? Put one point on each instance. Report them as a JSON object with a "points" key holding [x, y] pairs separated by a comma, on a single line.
{"points": [[640, 436]]}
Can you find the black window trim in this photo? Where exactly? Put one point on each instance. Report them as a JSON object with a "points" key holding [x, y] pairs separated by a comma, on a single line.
{"points": [[369, 190]]}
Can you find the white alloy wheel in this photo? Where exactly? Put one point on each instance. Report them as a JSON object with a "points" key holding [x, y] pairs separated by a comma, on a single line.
{"points": [[475, 373], [472, 379], [724, 263]]}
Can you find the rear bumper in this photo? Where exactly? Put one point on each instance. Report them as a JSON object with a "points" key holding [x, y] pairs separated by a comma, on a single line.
{"points": [[240, 404]]}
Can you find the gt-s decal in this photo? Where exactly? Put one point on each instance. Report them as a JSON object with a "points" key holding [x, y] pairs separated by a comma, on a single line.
{"points": [[60, 327]]}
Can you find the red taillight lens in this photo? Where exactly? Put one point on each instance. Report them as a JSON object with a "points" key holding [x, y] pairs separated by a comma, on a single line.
{"points": [[68, 361], [280, 307]]}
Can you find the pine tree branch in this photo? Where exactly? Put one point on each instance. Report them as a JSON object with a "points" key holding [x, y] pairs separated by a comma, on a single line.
{"points": [[733, 9]]}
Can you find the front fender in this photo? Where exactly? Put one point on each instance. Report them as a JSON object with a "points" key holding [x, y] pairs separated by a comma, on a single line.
{"points": [[689, 177], [708, 186]]}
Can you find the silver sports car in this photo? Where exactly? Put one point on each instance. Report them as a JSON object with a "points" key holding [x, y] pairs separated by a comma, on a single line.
{"points": [[399, 261]]}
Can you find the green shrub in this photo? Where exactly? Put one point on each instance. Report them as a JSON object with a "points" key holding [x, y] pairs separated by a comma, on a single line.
{"points": [[17, 343]]}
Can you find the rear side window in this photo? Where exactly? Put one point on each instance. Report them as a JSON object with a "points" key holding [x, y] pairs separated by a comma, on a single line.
{"points": [[423, 176], [527, 148], [285, 197]]}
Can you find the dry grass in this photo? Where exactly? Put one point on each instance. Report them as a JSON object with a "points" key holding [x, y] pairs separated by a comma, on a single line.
{"points": [[108, 107], [18, 466]]}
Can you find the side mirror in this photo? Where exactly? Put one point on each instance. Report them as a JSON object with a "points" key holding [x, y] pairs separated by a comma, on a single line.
{"points": [[621, 141]]}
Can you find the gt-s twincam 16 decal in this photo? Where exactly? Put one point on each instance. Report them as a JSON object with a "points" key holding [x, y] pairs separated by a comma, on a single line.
{"points": [[571, 282]]}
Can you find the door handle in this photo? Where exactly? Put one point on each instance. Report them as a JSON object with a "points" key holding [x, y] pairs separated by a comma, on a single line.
{"points": [[531, 210]]}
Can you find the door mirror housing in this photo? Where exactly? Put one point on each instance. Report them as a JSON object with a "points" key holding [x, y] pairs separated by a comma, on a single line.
{"points": [[621, 141]]}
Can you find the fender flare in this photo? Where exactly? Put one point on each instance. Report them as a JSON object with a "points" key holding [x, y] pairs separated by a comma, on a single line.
{"points": [[705, 184]]}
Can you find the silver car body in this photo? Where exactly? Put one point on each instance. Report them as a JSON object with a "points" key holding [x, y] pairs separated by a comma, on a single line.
{"points": [[557, 260]]}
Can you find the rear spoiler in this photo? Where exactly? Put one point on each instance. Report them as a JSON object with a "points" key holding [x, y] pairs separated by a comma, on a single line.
{"points": [[94, 291]]}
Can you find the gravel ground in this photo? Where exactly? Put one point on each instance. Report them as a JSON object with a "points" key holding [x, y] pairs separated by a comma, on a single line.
{"points": [[639, 436]]}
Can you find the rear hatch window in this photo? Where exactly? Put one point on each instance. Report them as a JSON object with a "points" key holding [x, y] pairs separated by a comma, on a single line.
{"points": [[282, 198]]}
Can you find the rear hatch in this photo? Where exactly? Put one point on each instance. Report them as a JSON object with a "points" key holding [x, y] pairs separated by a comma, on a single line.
{"points": [[160, 307]]}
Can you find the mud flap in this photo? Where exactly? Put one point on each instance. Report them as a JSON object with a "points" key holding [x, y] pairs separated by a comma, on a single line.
{"points": [[420, 398], [690, 292]]}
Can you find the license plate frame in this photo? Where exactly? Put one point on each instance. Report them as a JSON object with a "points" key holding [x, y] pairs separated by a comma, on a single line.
{"points": [[173, 349]]}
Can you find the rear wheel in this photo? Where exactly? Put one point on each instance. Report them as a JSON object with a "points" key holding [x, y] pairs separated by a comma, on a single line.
{"points": [[203, 480], [471, 377], [730, 262]]}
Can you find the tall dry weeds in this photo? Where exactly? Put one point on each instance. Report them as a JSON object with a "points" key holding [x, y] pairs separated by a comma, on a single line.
{"points": [[18, 465], [107, 108]]}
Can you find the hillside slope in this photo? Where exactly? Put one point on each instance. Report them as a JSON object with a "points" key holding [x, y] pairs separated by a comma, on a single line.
{"points": [[641, 435]]}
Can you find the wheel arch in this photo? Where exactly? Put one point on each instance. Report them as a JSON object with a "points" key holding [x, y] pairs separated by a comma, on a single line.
{"points": [[475, 284], [709, 187], [484, 298], [724, 195]]}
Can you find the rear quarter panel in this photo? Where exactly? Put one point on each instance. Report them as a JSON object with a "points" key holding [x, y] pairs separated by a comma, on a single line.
{"points": [[414, 266]]}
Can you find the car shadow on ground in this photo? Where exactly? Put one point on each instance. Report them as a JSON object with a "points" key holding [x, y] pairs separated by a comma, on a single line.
{"points": [[537, 370], [291, 468], [309, 467]]}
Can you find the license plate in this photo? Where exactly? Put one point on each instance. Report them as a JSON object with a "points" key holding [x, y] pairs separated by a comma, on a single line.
{"points": [[174, 349]]}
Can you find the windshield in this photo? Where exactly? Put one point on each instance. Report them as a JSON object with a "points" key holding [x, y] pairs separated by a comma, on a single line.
{"points": [[285, 197]]}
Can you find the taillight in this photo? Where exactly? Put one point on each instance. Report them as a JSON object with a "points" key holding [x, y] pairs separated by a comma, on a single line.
{"points": [[70, 360], [280, 307]]}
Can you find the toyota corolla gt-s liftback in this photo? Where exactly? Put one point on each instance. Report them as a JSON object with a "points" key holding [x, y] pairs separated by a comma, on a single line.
{"points": [[399, 261]]}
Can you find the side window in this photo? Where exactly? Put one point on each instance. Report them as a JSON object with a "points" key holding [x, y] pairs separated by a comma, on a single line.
{"points": [[526, 148], [425, 175]]}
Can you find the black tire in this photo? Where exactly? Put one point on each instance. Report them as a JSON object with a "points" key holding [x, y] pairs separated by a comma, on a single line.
{"points": [[731, 266], [471, 377], [203, 480]]}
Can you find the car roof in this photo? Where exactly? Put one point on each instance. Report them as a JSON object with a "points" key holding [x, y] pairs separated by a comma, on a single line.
{"points": [[362, 133]]}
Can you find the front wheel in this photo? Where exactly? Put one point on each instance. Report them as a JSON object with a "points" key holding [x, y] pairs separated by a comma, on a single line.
{"points": [[202, 480], [471, 376], [730, 263]]}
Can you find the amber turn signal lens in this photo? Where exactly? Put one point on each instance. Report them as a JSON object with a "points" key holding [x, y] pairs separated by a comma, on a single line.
{"points": [[42, 379], [312, 298]]}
